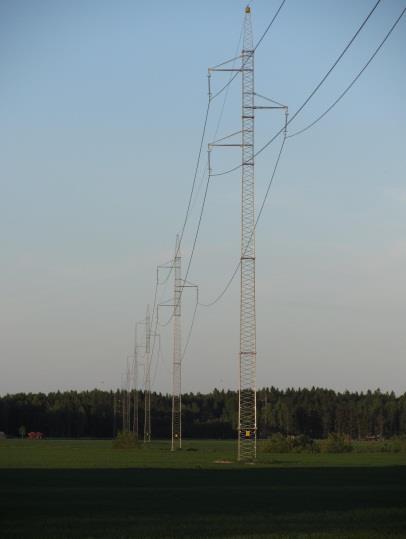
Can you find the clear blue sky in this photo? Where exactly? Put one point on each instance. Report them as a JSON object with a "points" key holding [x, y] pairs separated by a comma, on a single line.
{"points": [[101, 109]]}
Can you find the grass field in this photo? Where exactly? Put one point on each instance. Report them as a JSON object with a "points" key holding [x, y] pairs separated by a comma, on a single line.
{"points": [[67, 489]]}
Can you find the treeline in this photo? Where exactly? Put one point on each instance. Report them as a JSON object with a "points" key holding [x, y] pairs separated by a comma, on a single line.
{"points": [[314, 412]]}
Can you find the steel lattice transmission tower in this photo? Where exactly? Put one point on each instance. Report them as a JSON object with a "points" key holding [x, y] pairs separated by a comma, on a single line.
{"points": [[247, 415], [135, 385], [179, 285], [123, 404], [247, 410], [129, 377], [147, 388], [177, 353]]}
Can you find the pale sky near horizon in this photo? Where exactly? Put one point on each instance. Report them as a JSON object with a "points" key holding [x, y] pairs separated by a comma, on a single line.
{"points": [[101, 110]]}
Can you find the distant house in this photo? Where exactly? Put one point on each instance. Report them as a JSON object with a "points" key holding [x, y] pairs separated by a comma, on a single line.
{"points": [[34, 435]]}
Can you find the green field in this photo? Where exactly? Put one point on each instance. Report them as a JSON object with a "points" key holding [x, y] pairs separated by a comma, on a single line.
{"points": [[72, 489]]}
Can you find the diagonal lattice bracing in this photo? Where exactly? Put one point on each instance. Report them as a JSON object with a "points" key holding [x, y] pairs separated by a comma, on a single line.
{"points": [[177, 354], [247, 424], [147, 384]]}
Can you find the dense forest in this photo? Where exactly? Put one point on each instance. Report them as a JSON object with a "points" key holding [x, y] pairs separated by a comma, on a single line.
{"points": [[314, 412]]}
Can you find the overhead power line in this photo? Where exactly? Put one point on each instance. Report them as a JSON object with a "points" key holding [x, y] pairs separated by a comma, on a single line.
{"points": [[352, 82], [233, 275], [312, 93], [199, 156], [220, 117], [206, 119], [195, 173], [194, 242], [189, 335], [157, 283], [283, 129], [219, 120], [255, 48], [228, 284]]}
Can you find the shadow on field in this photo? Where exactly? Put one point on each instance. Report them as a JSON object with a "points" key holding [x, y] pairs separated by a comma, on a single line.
{"points": [[197, 503]]}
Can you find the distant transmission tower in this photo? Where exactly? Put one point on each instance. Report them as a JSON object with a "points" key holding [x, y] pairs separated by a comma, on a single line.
{"points": [[176, 302], [177, 353], [123, 404], [147, 388], [128, 394], [135, 384]]}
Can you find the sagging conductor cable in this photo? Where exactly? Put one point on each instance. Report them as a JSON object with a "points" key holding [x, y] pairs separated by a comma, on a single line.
{"points": [[211, 97], [255, 48], [228, 284], [302, 106], [194, 242], [352, 82]]}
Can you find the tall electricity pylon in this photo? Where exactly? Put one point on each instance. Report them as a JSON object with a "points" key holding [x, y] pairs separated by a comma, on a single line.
{"points": [[179, 285], [147, 388], [123, 404], [247, 397], [135, 385], [128, 393], [177, 353], [135, 376], [247, 409]]}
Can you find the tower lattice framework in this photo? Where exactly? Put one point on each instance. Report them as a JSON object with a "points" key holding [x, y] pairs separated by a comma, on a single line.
{"points": [[177, 354], [135, 385], [147, 389], [247, 416]]}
